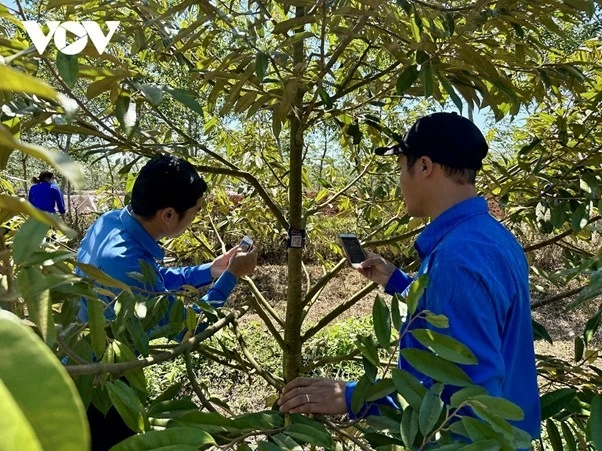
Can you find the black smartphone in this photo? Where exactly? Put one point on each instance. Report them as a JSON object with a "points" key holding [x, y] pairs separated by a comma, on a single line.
{"points": [[352, 248]]}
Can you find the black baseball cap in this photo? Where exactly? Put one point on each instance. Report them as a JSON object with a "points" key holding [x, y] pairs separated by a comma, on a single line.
{"points": [[447, 138]]}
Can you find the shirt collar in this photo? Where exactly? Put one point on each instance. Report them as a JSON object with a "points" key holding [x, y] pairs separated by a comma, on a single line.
{"points": [[139, 234], [446, 221]]}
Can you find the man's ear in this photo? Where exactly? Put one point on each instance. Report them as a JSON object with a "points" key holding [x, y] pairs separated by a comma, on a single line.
{"points": [[168, 214], [426, 166]]}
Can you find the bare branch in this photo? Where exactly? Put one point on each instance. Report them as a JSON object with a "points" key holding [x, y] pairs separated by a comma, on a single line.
{"points": [[195, 385], [556, 297], [188, 345], [340, 309]]}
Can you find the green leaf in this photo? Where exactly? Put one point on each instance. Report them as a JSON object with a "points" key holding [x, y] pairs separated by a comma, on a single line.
{"points": [[406, 79], [186, 98], [12, 80], [435, 367], [367, 346], [569, 438], [261, 65], [172, 408], [409, 387], [592, 326], [380, 389], [430, 409], [580, 218], [101, 278], [31, 284], [444, 346], [53, 408], [396, 312], [125, 111], [28, 239], [499, 407], [554, 436], [152, 93], [415, 292], [286, 442], [128, 405], [595, 421], [482, 445], [68, 68], [553, 402], [439, 321], [308, 434], [359, 395], [540, 332], [97, 323], [427, 79], [15, 430], [155, 440], [268, 446], [382, 322], [409, 426], [138, 335], [450, 91], [211, 422], [461, 396], [124, 354], [59, 160]]}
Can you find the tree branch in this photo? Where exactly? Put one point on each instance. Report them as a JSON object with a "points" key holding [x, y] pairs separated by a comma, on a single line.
{"points": [[556, 238], [556, 297], [195, 385], [188, 345], [255, 183], [337, 311]]}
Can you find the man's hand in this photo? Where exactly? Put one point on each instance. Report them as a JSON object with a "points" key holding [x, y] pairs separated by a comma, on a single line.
{"points": [[242, 263], [220, 264], [376, 268], [313, 395]]}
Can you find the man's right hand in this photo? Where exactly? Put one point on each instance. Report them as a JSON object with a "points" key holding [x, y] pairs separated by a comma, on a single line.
{"points": [[242, 263], [376, 268]]}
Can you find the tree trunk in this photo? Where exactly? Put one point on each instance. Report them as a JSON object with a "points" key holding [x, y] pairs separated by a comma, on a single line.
{"points": [[294, 306]]}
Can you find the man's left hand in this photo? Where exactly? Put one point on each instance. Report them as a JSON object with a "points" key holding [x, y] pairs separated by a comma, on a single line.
{"points": [[220, 264], [313, 395]]}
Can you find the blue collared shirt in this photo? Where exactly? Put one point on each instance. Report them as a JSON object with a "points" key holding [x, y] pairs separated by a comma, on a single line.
{"points": [[478, 278], [116, 243], [45, 196]]}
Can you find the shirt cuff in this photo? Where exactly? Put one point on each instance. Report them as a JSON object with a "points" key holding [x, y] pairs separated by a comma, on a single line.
{"points": [[221, 289], [398, 282]]}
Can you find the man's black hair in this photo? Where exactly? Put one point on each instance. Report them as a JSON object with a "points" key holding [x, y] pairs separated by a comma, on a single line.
{"points": [[166, 181]]}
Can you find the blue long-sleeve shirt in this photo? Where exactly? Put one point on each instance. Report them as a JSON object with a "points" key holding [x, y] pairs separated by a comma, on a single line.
{"points": [[45, 196], [117, 242], [478, 278]]}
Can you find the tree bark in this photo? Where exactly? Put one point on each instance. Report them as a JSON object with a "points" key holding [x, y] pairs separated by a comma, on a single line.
{"points": [[294, 304]]}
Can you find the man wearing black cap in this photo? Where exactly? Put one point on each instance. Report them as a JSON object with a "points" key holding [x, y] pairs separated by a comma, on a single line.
{"points": [[478, 274]]}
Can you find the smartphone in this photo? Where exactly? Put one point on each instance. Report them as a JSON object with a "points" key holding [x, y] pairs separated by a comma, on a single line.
{"points": [[246, 244], [353, 249]]}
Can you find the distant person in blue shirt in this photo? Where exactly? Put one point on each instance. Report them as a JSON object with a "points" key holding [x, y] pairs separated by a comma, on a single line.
{"points": [[166, 197], [478, 274], [46, 195]]}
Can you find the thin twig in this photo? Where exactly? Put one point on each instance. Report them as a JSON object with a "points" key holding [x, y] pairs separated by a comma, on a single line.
{"points": [[195, 385]]}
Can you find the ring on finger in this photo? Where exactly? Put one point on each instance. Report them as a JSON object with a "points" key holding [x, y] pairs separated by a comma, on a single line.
{"points": [[307, 397]]}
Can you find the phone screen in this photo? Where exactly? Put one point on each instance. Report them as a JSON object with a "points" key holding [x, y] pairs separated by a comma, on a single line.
{"points": [[354, 249]]}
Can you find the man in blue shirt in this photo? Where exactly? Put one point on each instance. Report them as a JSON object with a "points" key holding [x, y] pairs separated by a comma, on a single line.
{"points": [[166, 197], [45, 194], [478, 274]]}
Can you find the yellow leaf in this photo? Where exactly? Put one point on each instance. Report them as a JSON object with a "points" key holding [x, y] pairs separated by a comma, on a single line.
{"points": [[15, 81]]}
